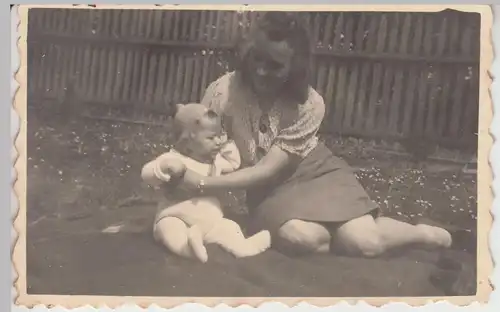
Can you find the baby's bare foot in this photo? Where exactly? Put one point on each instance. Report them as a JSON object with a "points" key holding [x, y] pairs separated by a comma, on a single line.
{"points": [[436, 236], [261, 240], [195, 239]]}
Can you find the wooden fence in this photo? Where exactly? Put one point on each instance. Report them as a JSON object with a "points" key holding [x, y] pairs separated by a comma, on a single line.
{"points": [[382, 75]]}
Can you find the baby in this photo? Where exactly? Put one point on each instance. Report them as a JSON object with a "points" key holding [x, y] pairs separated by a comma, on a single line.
{"points": [[186, 225]]}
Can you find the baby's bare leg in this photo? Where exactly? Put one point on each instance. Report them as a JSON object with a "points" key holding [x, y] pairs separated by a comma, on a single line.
{"points": [[177, 237], [227, 234], [195, 240]]}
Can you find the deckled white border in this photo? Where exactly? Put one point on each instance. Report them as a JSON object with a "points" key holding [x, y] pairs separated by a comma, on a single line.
{"points": [[361, 306], [14, 129]]}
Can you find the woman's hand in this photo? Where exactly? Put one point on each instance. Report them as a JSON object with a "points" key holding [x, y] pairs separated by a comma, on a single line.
{"points": [[186, 186], [191, 181]]}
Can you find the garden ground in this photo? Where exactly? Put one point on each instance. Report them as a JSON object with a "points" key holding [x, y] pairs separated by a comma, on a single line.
{"points": [[89, 218]]}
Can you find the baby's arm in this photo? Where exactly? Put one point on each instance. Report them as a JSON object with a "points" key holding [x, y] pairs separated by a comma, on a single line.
{"points": [[162, 170], [228, 159]]}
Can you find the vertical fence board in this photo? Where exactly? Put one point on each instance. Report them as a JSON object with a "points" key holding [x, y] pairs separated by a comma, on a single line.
{"points": [[412, 88], [179, 79], [420, 103], [161, 81], [316, 30], [353, 75], [351, 96], [379, 43], [327, 37], [48, 68], [321, 75], [40, 75], [128, 71], [436, 77], [442, 108], [340, 80], [64, 72], [136, 76], [329, 94], [150, 24], [114, 73], [167, 21], [205, 74], [454, 44], [202, 25], [362, 96], [171, 69], [389, 73], [186, 19], [365, 71], [458, 96], [194, 96], [187, 77], [94, 68], [340, 94], [143, 77], [153, 68], [101, 73], [424, 79], [84, 78], [177, 26], [470, 118]]}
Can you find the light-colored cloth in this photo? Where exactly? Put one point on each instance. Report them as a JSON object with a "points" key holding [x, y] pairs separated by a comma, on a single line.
{"points": [[202, 214], [291, 127], [198, 210]]}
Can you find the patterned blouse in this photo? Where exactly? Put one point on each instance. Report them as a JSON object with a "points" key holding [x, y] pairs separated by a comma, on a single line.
{"points": [[293, 128]]}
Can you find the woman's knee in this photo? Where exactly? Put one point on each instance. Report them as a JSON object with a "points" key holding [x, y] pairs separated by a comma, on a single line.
{"points": [[360, 237], [370, 246], [303, 236]]}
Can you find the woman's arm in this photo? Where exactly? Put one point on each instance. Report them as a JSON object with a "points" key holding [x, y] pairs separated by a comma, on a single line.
{"points": [[269, 167]]}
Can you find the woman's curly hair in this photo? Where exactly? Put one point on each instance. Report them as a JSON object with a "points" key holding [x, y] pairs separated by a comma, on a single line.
{"points": [[281, 26]]}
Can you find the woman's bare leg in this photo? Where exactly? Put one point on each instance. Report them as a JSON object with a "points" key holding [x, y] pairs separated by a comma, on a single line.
{"points": [[371, 237], [178, 238], [297, 236]]}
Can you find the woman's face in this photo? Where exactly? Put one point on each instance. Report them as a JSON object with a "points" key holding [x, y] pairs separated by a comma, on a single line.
{"points": [[270, 64]]}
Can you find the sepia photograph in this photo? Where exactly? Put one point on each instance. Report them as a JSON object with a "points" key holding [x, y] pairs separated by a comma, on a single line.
{"points": [[184, 152]]}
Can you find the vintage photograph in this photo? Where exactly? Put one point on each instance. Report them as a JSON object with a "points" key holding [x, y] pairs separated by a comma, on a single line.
{"points": [[189, 152]]}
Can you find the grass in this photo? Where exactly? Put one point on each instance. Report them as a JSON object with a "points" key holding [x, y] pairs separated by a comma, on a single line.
{"points": [[84, 175]]}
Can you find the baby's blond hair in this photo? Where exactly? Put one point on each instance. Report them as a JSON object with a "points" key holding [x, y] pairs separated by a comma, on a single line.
{"points": [[187, 121]]}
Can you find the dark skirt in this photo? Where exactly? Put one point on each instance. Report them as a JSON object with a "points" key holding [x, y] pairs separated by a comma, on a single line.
{"points": [[323, 188]]}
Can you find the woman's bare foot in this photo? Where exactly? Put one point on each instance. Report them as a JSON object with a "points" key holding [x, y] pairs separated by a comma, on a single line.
{"points": [[436, 236], [195, 240]]}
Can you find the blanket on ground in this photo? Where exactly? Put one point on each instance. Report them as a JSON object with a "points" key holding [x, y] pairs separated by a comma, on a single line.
{"points": [[132, 264]]}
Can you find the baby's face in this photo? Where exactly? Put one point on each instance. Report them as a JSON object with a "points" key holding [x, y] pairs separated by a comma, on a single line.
{"points": [[206, 143]]}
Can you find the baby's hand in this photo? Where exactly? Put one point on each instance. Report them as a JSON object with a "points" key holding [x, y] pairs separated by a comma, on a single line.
{"points": [[171, 168]]}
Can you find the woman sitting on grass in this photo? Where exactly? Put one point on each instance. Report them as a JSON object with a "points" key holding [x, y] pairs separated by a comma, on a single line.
{"points": [[307, 198]]}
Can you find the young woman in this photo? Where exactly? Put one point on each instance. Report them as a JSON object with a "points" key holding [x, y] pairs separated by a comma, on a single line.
{"points": [[309, 199]]}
